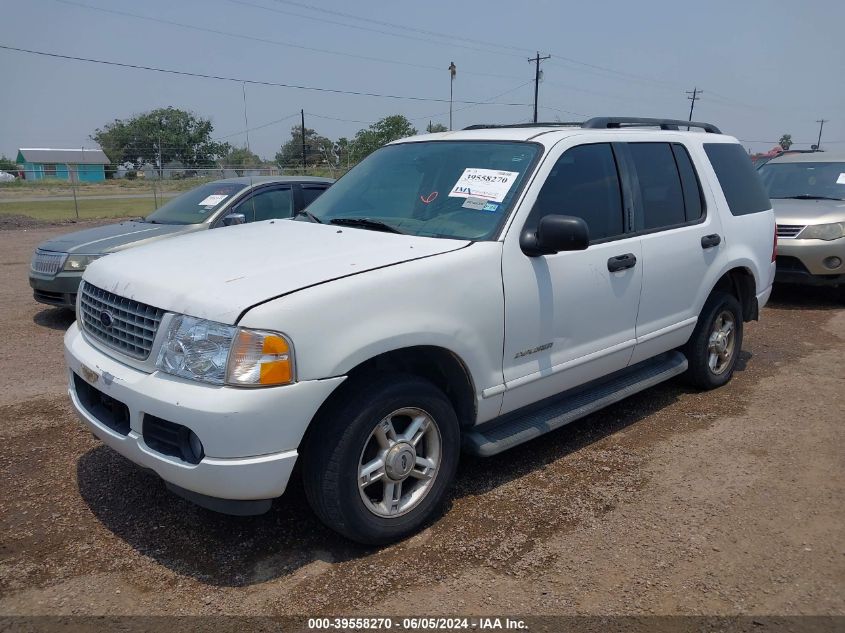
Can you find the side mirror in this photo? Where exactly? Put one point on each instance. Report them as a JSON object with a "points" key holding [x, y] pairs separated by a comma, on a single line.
{"points": [[234, 218], [554, 234]]}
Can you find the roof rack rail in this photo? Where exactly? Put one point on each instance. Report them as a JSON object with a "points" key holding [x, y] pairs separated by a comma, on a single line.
{"points": [[493, 126], [664, 124]]}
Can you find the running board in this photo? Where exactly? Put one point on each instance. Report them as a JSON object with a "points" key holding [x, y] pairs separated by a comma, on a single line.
{"points": [[532, 421]]}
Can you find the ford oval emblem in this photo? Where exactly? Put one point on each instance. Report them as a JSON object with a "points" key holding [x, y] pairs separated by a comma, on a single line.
{"points": [[106, 319]]}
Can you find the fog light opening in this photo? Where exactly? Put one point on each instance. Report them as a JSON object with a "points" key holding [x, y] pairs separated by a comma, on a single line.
{"points": [[196, 447], [832, 263]]}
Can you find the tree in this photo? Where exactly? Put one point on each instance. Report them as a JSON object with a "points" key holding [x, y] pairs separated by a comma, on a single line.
{"points": [[318, 149], [168, 133], [380, 133], [785, 141], [7, 164], [240, 159], [436, 127]]}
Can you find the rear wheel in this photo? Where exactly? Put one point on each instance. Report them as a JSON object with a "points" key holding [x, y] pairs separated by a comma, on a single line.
{"points": [[380, 460], [713, 348]]}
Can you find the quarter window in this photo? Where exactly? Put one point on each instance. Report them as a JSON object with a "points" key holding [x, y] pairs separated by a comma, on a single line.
{"points": [[740, 183], [583, 183], [659, 184]]}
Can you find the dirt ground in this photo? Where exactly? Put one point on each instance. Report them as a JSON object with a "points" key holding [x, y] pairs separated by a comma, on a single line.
{"points": [[671, 502]]}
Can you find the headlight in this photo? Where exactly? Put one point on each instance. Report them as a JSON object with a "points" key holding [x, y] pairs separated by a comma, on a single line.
{"points": [[224, 354], [79, 262], [823, 231]]}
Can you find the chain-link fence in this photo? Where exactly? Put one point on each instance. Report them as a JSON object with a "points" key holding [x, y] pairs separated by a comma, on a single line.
{"points": [[34, 196]]}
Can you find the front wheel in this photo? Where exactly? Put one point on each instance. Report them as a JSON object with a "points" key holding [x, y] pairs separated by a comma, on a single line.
{"points": [[380, 460], [713, 348]]}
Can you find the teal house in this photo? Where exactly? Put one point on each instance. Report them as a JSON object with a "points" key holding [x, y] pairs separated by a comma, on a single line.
{"points": [[74, 165]]}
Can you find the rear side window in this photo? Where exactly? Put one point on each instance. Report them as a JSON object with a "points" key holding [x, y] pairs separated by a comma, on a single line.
{"points": [[583, 183], [660, 186], [311, 193], [693, 205], [740, 183]]}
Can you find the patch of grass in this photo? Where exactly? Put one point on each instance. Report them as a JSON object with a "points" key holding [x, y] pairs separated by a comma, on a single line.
{"points": [[56, 210]]}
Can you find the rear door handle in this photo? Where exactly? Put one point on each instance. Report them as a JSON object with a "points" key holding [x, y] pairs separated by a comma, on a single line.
{"points": [[709, 241], [621, 262]]}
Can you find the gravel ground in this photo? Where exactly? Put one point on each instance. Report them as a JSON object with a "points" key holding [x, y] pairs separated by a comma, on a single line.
{"points": [[673, 501]]}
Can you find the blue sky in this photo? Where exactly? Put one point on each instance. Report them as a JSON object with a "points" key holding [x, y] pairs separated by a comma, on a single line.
{"points": [[766, 68]]}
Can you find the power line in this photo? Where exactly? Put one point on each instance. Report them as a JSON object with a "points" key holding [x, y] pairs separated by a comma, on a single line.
{"points": [[243, 36], [257, 82], [403, 36]]}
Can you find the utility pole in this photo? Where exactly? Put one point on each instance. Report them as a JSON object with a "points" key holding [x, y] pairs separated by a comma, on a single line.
{"points": [[302, 112], [821, 123], [453, 70], [694, 96], [246, 122], [537, 75]]}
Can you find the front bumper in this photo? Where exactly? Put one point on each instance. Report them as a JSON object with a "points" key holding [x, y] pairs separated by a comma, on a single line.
{"points": [[59, 290], [803, 262], [250, 436]]}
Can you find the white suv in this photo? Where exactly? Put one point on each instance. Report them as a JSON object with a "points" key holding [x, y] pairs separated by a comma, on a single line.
{"points": [[470, 289]]}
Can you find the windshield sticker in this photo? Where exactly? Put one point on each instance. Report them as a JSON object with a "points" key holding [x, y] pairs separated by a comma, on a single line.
{"points": [[841, 179], [474, 203], [213, 200], [491, 206], [490, 184], [429, 198]]}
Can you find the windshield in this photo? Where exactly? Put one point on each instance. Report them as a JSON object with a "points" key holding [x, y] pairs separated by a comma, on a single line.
{"points": [[455, 189], [197, 205], [804, 180]]}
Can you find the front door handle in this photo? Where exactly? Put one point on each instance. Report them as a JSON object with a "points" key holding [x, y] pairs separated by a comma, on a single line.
{"points": [[621, 262], [709, 241]]}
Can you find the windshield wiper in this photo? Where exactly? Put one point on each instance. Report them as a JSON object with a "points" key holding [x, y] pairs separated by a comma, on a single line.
{"points": [[308, 215], [367, 223], [807, 196]]}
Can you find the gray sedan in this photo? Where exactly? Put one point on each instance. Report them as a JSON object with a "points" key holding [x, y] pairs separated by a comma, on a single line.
{"points": [[58, 264]]}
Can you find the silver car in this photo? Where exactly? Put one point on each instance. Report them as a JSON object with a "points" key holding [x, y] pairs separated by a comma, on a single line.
{"points": [[808, 195], [57, 264]]}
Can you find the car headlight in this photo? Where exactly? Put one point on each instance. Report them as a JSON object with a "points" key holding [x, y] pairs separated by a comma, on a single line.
{"points": [[78, 263], [823, 231], [224, 354]]}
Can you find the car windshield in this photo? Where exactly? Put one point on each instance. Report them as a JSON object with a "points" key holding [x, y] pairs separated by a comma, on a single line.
{"points": [[804, 180], [454, 189], [197, 205]]}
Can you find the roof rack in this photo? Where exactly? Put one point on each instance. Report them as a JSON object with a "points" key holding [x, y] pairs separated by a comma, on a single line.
{"points": [[664, 124], [493, 126], [607, 122]]}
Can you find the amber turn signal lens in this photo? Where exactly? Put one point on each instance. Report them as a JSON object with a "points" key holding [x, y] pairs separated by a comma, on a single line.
{"points": [[260, 359]]}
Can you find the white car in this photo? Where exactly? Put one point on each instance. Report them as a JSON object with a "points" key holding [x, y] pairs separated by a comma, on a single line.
{"points": [[7, 177], [471, 289]]}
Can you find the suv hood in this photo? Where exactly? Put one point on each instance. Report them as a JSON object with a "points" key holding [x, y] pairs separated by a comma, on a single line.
{"points": [[115, 237], [218, 274], [788, 211]]}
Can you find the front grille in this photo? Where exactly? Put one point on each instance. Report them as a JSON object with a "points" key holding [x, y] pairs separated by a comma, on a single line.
{"points": [[123, 324], [107, 410], [47, 262], [789, 230]]}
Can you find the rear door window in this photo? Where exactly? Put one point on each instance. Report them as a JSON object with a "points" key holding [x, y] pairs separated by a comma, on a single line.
{"points": [[661, 194], [740, 183], [693, 198]]}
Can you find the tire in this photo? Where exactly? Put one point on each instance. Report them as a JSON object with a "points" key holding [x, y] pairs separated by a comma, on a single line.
{"points": [[699, 349], [347, 436]]}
